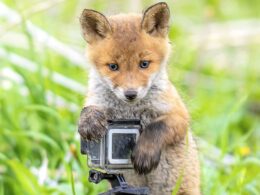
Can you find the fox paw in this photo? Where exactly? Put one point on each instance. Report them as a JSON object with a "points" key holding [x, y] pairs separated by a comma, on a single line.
{"points": [[92, 123], [145, 157]]}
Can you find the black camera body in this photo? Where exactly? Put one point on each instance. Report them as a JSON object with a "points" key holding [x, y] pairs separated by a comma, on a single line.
{"points": [[112, 152]]}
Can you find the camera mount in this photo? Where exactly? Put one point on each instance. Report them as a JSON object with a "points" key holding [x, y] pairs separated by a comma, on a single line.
{"points": [[118, 183]]}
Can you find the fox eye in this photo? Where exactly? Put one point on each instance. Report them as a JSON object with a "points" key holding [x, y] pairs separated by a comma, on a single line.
{"points": [[113, 67], [144, 64]]}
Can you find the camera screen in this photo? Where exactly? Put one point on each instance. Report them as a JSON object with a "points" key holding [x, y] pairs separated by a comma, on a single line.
{"points": [[122, 145]]}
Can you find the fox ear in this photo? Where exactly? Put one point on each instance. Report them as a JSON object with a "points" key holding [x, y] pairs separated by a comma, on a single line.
{"points": [[156, 20], [94, 25]]}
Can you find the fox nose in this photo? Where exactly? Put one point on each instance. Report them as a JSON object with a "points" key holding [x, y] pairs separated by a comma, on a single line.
{"points": [[130, 94]]}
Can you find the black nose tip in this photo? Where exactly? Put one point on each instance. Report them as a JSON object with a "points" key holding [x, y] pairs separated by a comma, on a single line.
{"points": [[130, 94]]}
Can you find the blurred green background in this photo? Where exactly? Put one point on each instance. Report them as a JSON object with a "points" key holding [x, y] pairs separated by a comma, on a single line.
{"points": [[215, 64]]}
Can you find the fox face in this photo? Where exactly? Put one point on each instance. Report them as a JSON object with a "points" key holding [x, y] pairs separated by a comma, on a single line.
{"points": [[128, 51]]}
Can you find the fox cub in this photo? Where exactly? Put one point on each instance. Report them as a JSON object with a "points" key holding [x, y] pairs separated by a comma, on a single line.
{"points": [[128, 80]]}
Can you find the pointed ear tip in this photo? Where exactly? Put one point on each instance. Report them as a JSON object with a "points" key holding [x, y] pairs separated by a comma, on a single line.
{"points": [[162, 4], [84, 13], [165, 5], [158, 6], [88, 12], [91, 12]]}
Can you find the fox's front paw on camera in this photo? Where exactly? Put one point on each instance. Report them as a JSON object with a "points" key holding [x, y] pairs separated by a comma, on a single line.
{"points": [[92, 123], [145, 157]]}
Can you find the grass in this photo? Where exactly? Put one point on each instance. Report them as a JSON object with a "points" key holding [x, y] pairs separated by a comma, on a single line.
{"points": [[218, 79]]}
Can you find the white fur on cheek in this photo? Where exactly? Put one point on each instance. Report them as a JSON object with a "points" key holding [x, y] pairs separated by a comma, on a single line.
{"points": [[108, 82], [119, 91], [141, 92]]}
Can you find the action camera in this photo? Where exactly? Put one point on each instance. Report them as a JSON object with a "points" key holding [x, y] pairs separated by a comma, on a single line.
{"points": [[113, 151]]}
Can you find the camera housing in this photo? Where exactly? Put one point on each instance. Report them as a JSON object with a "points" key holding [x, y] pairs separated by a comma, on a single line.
{"points": [[113, 151]]}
